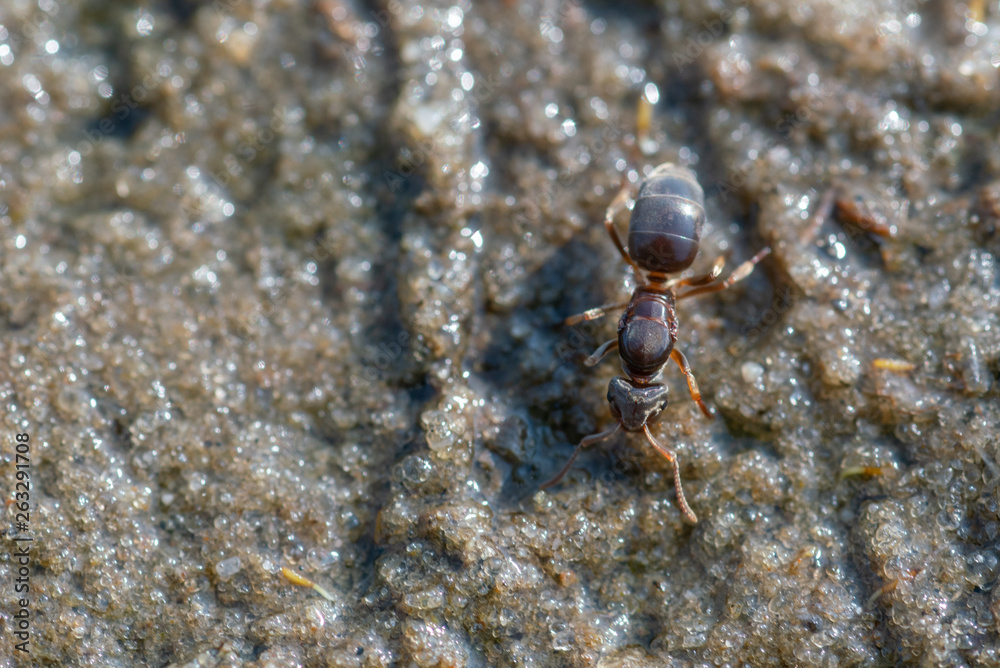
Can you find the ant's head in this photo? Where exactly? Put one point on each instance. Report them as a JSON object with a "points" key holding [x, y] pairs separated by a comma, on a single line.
{"points": [[633, 405]]}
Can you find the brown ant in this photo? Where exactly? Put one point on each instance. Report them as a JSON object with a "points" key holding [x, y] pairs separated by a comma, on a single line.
{"points": [[663, 236]]}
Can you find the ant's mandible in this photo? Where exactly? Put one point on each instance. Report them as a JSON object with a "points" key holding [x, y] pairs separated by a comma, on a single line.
{"points": [[663, 236]]}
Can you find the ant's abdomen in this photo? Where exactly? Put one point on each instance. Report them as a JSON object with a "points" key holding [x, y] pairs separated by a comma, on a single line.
{"points": [[669, 213]]}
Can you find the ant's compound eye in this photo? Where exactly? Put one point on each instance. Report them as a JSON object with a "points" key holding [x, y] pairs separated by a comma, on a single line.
{"points": [[633, 405]]}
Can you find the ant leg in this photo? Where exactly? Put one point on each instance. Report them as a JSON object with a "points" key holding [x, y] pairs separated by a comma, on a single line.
{"points": [[619, 203], [601, 352], [643, 119], [823, 211], [678, 357], [594, 313], [587, 440], [671, 457], [703, 279], [739, 274]]}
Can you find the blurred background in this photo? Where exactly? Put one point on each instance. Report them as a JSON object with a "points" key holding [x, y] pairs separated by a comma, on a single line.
{"points": [[281, 297]]}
